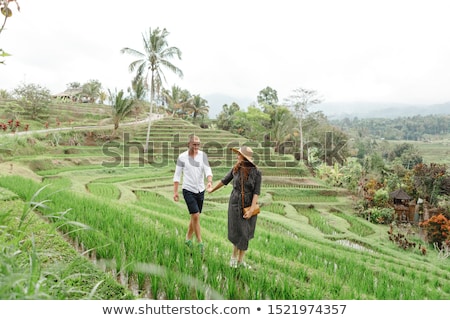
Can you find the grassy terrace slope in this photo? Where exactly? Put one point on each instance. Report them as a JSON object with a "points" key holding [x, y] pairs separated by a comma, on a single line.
{"points": [[308, 243]]}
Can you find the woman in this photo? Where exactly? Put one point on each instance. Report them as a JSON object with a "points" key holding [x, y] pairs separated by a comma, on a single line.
{"points": [[241, 227]]}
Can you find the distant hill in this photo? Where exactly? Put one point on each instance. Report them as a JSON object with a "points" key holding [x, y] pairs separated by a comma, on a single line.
{"points": [[379, 110], [337, 110]]}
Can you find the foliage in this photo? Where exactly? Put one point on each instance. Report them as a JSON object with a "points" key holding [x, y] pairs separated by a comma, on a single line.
{"points": [[120, 107], [414, 128], [300, 249], [34, 99], [407, 153], [402, 241], [157, 54], [299, 102], [267, 98], [33, 259], [379, 215], [437, 229], [91, 90], [381, 198], [197, 106], [176, 99], [430, 181], [226, 117]]}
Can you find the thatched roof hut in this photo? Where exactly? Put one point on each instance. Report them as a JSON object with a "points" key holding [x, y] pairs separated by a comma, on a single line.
{"points": [[399, 196], [69, 94]]}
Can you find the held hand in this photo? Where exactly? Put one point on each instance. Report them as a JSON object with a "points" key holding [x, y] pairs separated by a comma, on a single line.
{"points": [[248, 214]]}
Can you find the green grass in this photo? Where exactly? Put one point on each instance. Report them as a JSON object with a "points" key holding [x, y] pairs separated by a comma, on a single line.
{"points": [[298, 246], [437, 151], [308, 242], [38, 263]]}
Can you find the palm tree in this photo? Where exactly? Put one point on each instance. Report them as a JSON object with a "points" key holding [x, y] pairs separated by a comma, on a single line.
{"points": [[198, 106], [120, 107], [92, 90], [138, 93], [156, 55], [176, 99]]}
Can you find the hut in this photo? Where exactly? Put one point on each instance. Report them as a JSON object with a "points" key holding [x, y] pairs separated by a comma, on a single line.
{"points": [[404, 211], [68, 95], [399, 196]]}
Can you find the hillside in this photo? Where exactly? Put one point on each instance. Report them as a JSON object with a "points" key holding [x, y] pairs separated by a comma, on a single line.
{"points": [[308, 245]]}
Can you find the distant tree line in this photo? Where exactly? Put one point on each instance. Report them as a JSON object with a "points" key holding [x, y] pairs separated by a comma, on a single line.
{"points": [[414, 128]]}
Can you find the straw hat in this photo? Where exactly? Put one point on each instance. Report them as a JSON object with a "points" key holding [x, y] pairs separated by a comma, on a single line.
{"points": [[246, 152]]}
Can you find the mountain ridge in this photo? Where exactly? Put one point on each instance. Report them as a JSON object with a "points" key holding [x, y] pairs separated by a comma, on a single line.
{"points": [[342, 110]]}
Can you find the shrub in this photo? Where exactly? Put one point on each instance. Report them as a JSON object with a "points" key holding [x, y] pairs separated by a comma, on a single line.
{"points": [[437, 230], [380, 215]]}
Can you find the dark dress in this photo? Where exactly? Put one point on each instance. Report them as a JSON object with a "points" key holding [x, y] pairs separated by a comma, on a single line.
{"points": [[241, 230]]}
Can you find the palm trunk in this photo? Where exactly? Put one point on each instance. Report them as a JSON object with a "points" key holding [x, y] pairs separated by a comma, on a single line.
{"points": [[152, 89], [149, 123]]}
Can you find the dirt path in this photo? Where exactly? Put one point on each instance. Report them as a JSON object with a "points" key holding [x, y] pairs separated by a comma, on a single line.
{"points": [[109, 126]]}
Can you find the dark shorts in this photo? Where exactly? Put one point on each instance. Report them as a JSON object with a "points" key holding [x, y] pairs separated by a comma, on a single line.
{"points": [[194, 201]]}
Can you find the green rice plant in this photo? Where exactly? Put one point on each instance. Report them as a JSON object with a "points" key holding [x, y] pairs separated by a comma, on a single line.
{"points": [[291, 259], [275, 207], [105, 190], [316, 220], [357, 226], [25, 271], [303, 195]]}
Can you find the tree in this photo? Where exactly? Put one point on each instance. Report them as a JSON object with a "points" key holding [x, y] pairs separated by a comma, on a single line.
{"points": [[157, 54], [138, 93], [198, 106], [430, 181], [282, 125], [120, 107], [4, 94], [34, 99], [226, 116], [267, 97], [300, 100], [92, 90], [176, 99]]}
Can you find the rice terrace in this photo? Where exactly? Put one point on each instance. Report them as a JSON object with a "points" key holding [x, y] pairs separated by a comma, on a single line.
{"points": [[94, 218]]}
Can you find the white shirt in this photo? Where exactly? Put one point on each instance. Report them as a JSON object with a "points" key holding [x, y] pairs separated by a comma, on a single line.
{"points": [[194, 171]]}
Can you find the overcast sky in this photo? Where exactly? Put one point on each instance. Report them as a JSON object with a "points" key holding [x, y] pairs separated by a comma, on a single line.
{"points": [[346, 50]]}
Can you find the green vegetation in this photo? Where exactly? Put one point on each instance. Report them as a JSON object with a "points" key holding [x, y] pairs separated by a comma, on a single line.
{"points": [[309, 243]]}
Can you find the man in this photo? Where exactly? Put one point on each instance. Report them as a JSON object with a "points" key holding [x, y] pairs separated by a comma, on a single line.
{"points": [[193, 165]]}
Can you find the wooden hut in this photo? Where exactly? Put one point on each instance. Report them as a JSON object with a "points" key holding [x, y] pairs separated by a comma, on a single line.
{"points": [[404, 211]]}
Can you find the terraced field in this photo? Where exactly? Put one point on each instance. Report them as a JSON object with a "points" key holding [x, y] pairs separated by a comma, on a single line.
{"points": [[308, 242]]}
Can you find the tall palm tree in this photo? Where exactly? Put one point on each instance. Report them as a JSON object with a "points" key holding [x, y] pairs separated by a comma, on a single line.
{"points": [[156, 55]]}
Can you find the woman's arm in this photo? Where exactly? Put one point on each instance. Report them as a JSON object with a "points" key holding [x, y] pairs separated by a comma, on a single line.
{"points": [[218, 186]]}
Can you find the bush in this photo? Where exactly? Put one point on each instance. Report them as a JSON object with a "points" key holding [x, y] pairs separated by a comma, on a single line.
{"points": [[380, 215], [437, 230]]}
